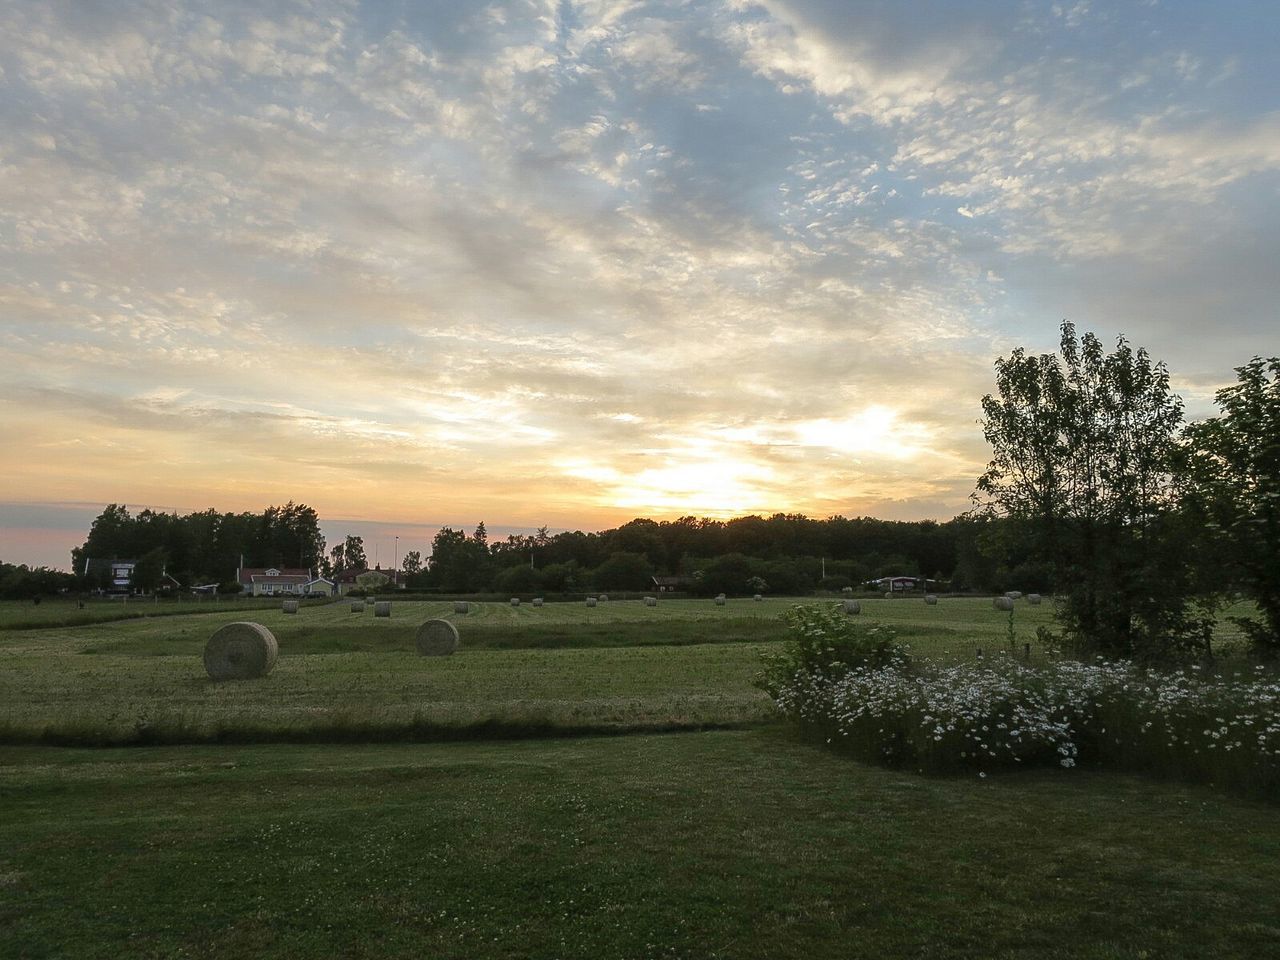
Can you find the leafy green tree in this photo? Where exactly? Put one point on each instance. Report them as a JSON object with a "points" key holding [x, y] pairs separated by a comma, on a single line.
{"points": [[110, 538], [560, 577], [290, 536], [412, 563], [1234, 482], [148, 571], [624, 571], [20, 582], [727, 574], [459, 564], [372, 580], [1083, 455], [353, 557], [521, 579]]}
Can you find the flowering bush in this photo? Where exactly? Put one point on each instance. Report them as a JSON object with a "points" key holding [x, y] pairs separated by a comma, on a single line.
{"points": [[827, 642], [986, 715]]}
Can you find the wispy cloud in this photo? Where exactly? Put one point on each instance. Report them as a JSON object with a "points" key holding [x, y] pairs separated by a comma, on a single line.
{"points": [[570, 262]]}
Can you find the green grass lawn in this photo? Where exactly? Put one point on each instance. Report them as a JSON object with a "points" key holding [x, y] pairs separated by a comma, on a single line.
{"points": [[731, 844]]}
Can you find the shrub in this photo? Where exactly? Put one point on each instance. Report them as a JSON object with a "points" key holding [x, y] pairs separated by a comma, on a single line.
{"points": [[827, 643]]}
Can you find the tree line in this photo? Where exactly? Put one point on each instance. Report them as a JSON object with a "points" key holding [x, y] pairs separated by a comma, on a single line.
{"points": [[1097, 490], [784, 553]]}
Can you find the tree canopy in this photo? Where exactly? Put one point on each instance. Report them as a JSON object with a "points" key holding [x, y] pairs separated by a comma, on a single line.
{"points": [[1084, 454], [1234, 479]]}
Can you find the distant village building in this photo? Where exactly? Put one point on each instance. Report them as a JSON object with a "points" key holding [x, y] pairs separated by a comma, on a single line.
{"points": [[273, 581], [901, 584], [345, 580], [672, 584], [115, 577]]}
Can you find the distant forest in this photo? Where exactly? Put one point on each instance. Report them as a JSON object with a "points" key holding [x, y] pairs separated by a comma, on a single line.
{"points": [[781, 554]]}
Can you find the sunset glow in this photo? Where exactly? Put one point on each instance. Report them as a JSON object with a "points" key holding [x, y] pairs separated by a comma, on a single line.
{"points": [[569, 263]]}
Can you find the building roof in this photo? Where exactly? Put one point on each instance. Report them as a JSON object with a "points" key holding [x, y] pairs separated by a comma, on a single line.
{"points": [[251, 575]]}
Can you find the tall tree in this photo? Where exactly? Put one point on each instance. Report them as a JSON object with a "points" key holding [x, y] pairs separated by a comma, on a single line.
{"points": [[1083, 452], [110, 537], [459, 564], [148, 572], [353, 553], [1235, 482]]}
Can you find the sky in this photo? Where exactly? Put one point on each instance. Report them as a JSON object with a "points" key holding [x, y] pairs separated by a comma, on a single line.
{"points": [[569, 263]]}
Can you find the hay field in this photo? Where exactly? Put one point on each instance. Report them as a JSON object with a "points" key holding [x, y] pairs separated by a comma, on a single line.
{"points": [[720, 842], [562, 668]]}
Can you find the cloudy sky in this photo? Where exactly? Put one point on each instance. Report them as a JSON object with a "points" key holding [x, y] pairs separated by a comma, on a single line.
{"points": [[573, 262]]}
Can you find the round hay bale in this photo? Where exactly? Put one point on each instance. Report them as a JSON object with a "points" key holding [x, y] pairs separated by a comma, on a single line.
{"points": [[289, 606], [720, 601], [382, 608], [357, 606], [515, 601], [537, 601], [850, 606], [461, 606], [240, 651], [650, 601], [757, 598], [604, 598], [889, 595], [930, 599], [1033, 599], [591, 601], [846, 589], [436, 638], [1013, 594], [1003, 603]]}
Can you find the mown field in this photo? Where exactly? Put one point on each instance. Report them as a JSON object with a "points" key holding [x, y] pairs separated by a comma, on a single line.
{"points": [[522, 670], [60, 612], [303, 815]]}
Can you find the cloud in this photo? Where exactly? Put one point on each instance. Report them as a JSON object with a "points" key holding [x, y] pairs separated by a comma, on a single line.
{"points": [[567, 262]]}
